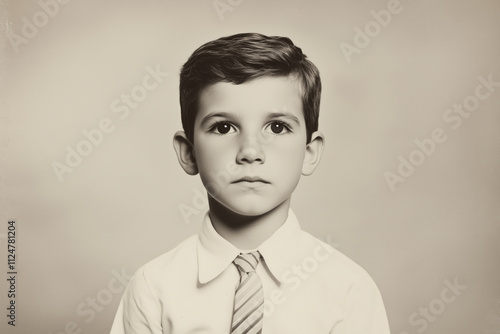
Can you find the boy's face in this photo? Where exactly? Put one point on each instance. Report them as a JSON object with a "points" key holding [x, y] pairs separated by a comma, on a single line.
{"points": [[250, 143]]}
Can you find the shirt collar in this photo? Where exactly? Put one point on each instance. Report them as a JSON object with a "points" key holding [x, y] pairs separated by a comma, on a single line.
{"points": [[280, 249], [215, 253]]}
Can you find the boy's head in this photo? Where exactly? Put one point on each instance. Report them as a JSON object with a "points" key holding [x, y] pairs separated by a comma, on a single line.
{"points": [[240, 58], [250, 113]]}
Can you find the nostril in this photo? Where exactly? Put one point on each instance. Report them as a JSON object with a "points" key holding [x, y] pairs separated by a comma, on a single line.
{"points": [[250, 155]]}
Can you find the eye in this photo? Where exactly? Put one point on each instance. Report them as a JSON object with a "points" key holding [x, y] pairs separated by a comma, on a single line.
{"points": [[278, 127], [222, 128]]}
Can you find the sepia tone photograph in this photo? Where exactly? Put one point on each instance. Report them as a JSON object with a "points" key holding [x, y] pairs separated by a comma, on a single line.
{"points": [[249, 166]]}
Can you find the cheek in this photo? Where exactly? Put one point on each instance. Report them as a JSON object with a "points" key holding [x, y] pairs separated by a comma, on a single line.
{"points": [[290, 150], [287, 159], [211, 156]]}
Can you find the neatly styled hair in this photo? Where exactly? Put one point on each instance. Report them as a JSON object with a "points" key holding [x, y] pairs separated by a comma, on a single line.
{"points": [[240, 58]]}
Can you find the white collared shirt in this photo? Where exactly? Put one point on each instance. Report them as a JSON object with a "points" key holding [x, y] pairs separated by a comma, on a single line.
{"points": [[309, 287]]}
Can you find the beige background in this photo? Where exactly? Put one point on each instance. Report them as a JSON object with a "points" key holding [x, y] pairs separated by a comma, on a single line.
{"points": [[120, 207]]}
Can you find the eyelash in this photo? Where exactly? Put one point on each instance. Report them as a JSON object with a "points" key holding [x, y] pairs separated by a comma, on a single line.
{"points": [[287, 126], [213, 127]]}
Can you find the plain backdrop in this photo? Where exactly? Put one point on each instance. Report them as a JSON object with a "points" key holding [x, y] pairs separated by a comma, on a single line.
{"points": [[120, 205]]}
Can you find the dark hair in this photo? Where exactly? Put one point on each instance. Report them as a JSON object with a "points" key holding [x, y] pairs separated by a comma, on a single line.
{"points": [[242, 57]]}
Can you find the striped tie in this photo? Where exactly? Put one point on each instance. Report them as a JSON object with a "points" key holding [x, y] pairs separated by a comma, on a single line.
{"points": [[249, 298]]}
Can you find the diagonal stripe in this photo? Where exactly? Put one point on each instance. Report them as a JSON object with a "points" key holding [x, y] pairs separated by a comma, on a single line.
{"points": [[254, 326], [257, 329], [239, 300], [246, 282], [249, 321], [252, 259], [243, 281], [248, 260], [246, 300], [248, 295], [248, 311], [242, 264], [255, 257], [241, 269], [241, 320], [246, 291]]}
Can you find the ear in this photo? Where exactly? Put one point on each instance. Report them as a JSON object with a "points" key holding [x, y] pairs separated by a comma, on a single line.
{"points": [[314, 150], [185, 154]]}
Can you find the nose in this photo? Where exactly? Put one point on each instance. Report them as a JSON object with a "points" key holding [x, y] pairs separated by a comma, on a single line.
{"points": [[250, 151]]}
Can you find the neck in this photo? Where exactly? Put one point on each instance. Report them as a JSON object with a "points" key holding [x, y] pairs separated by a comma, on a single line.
{"points": [[246, 232]]}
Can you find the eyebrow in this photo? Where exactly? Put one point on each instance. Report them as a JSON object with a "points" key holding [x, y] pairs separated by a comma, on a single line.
{"points": [[288, 116], [207, 118]]}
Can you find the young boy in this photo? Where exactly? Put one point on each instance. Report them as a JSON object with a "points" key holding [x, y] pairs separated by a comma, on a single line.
{"points": [[250, 106]]}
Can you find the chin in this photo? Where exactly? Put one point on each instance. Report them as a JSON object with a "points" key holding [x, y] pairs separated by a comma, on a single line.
{"points": [[249, 211], [252, 207]]}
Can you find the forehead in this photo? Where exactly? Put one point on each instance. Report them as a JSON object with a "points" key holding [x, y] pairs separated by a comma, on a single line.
{"points": [[255, 97]]}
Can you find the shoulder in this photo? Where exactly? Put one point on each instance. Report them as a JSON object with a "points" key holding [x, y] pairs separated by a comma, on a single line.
{"points": [[181, 258], [335, 268], [350, 291]]}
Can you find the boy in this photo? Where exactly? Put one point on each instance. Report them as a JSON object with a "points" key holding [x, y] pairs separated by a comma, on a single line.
{"points": [[249, 106]]}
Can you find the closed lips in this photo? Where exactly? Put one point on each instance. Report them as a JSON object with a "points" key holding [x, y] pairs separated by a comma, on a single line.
{"points": [[250, 179]]}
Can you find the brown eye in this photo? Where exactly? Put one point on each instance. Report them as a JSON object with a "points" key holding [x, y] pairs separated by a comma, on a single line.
{"points": [[223, 128], [277, 127]]}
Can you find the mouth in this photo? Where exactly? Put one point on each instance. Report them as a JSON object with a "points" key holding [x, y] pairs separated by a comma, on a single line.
{"points": [[251, 179]]}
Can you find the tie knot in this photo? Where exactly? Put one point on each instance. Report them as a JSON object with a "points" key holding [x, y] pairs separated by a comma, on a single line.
{"points": [[247, 262]]}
